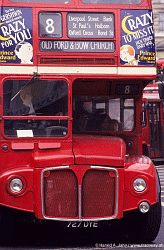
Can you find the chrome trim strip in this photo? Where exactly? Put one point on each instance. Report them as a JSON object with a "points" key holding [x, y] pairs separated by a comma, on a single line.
{"points": [[80, 204], [79, 192]]}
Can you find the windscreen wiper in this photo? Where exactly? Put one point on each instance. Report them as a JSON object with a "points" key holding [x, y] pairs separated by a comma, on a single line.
{"points": [[30, 81]]}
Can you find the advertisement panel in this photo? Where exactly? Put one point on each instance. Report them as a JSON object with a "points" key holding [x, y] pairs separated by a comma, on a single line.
{"points": [[137, 38], [16, 42]]}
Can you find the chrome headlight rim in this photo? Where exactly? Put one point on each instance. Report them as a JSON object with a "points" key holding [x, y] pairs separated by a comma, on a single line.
{"points": [[16, 185], [17, 180], [139, 185]]}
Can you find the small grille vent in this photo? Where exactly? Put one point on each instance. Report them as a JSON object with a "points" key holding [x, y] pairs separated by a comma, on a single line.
{"points": [[60, 194], [98, 192], [78, 61]]}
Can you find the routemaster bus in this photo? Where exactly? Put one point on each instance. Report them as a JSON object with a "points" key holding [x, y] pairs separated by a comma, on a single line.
{"points": [[72, 74]]}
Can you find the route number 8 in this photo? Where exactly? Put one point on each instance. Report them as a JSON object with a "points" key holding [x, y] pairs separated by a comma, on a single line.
{"points": [[127, 89], [50, 28]]}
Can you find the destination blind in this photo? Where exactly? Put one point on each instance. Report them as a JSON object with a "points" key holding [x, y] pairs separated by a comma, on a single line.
{"points": [[90, 25], [76, 46], [98, 26]]}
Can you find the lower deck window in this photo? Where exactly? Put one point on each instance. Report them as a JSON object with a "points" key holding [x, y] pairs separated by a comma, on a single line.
{"points": [[103, 113]]}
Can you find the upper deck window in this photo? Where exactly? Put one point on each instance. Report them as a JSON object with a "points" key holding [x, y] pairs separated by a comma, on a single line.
{"points": [[84, 1], [41, 1], [112, 1]]}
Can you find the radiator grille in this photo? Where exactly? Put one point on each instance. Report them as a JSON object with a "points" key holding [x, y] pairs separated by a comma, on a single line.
{"points": [[64, 198], [98, 194], [60, 194]]}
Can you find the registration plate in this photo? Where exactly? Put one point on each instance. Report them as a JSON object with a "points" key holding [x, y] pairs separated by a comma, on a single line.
{"points": [[83, 224]]}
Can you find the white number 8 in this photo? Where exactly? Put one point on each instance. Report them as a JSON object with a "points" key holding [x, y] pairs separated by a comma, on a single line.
{"points": [[50, 28], [127, 89]]}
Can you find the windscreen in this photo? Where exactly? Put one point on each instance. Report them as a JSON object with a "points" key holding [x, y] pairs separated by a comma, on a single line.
{"points": [[37, 98]]}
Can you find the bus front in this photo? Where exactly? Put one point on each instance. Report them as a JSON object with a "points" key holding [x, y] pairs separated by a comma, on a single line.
{"points": [[72, 75]]}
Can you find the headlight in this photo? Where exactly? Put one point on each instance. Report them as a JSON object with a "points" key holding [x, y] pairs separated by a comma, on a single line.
{"points": [[139, 185], [16, 185]]}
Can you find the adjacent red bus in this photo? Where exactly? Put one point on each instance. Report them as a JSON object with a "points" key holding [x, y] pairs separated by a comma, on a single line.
{"points": [[72, 75], [160, 67], [152, 126]]}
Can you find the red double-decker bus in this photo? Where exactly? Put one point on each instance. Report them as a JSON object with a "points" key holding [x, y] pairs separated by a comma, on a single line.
{"points": [[152, 126], [71, 80]]}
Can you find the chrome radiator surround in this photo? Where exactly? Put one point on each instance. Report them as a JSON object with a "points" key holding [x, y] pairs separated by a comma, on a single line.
{"points": [[80, 196]]}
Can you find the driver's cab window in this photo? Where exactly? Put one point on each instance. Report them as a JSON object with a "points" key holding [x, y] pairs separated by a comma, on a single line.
{"points": [[35, 98]]}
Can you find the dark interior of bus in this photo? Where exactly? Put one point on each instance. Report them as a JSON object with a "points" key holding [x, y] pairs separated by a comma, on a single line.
{"points": [[95, 108]]}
